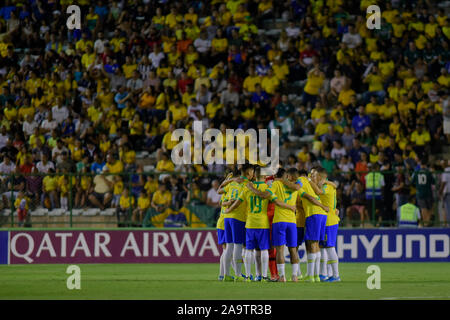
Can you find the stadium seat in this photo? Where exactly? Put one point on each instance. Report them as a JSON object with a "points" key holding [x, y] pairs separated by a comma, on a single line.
{"points": [[56, 212], [75, 212], [39, 212], [91, 212], [141, 154], [6, 212], [108, 212], [149, 168]]}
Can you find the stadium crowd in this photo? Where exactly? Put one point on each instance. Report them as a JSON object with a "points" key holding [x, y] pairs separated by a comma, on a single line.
{"points": [[87, 100]]}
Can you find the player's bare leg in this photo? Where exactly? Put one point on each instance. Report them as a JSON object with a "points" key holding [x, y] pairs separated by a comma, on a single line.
{"points": [[294, 262], [280, 263], [222, 262]]}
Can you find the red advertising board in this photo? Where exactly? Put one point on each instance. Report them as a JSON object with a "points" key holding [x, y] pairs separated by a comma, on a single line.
{"points": [[113, 246]]}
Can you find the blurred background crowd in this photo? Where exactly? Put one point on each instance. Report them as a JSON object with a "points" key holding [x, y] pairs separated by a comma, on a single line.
{"points": [[106, 98]]}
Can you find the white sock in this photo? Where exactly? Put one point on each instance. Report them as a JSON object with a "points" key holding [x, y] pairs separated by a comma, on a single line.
{"points": [[258, 263], [228, 258], [280, 268], [299, 271], [295, 268], [317, 264], [311, 259], [264, 262], [330, 270], [237, 256], [333, 260], [323, 262], [248, 261], [222, 264]]}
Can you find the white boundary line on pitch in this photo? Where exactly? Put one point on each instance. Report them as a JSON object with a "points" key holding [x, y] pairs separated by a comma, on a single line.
{"points": [[430, 297]]}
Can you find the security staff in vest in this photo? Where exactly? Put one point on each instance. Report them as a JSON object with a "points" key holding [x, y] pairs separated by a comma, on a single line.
{"points": [[408, 215], [374, 190]]}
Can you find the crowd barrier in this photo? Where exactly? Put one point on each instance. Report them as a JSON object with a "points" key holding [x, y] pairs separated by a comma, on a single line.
{"points": [[130, 245]]}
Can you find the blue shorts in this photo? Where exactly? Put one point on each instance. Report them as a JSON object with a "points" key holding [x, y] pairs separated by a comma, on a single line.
{"points": [[315, 227], [284, 233], [220, 236], [257, 239], [300, 235], [234, 231], [330, 236]]}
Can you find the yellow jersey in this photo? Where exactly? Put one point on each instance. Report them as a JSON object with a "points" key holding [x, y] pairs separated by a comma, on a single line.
{"points": [[279, 191], [309, 208], [329, 199], [234, 189], [256, 207], [143, 202], [220, 222], [126, 202], [300, 216]]}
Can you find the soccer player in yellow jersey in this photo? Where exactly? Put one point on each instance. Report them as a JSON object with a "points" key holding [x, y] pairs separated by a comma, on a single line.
{"points": [[220, 226], [327, 194], [257, 224], [315, 220], [234, 222], [284, 229]]}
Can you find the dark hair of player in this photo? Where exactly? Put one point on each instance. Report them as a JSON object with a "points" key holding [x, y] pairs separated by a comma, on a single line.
{"points": [[293, 172], [316, 167], [280, 173], [302, 173], [321, 170], [246, 167]]}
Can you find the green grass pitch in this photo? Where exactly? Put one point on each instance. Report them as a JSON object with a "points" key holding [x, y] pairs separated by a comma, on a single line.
{"points": [[199, 281]]}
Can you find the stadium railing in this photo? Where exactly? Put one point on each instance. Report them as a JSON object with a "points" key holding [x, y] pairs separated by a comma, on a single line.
{"points": [[42, 212]]}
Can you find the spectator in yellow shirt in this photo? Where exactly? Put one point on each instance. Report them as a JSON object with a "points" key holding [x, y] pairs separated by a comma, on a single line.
{"points": [[346, 94], [162, 198], [375, 81], [49, 186], [383, 141], [270, 82], [126, 204], [165, 164], [318, 112], [420, 138], [143, 204], [313, 85]]}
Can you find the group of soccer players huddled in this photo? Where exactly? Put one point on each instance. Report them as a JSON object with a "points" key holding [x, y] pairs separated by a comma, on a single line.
{"points": [[260, 215]]}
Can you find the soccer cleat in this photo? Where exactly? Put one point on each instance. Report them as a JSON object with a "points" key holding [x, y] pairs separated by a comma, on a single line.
{"points": [[294, 278], [258, 278], [228, 278], [248, 279], [323, 278], [281, 279], [251, 277], [265, 279], [300, 277], [309, 279], [316, 278], [240, 279], [220, 278], [334, 279], [275, 278]]}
